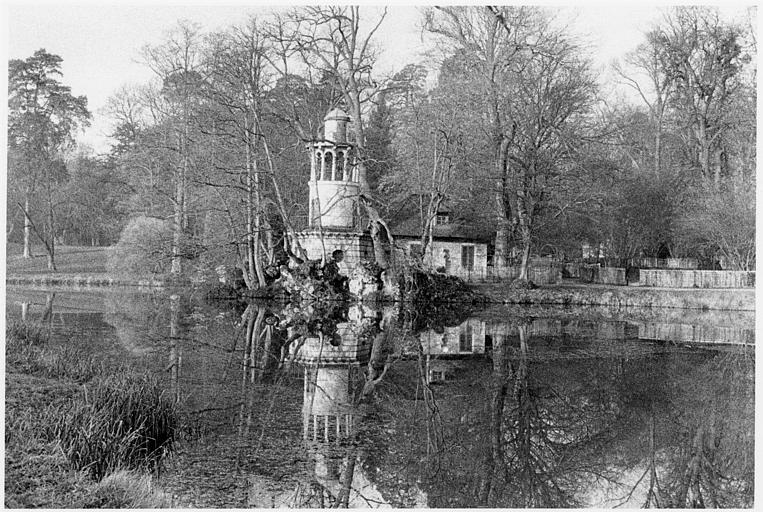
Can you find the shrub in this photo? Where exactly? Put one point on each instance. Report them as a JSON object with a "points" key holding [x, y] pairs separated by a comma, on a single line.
{"points": [[121, 421], [522, 284], [144, 249]]}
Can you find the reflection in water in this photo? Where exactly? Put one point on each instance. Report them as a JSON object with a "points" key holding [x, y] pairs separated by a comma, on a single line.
{"points": [[174, 338], [335, 387], [321, 406]]}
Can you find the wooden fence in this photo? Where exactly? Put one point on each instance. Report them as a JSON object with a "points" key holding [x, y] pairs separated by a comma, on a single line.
{"points": [[602, 275], [612, 275], [697, 278], [665, 263], [538, 275]]}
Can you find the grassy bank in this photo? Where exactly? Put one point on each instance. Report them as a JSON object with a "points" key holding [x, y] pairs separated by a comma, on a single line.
{"points": [[75, 267], [624, 296], [69, 260], [76, 437]]}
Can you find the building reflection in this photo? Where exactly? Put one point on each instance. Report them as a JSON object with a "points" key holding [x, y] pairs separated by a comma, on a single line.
{"points": [[333, 364], [696, 333]]}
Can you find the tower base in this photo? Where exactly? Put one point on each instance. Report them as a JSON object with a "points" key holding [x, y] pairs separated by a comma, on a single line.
{"points": [[357, 246]]}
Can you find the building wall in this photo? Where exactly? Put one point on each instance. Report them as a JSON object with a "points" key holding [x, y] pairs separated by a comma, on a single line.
{"points": [[448, 255], [334, 203], [357, 247]]}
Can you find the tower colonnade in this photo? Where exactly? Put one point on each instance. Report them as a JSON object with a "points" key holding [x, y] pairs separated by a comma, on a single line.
{"points": [[332, 163], [334, 184]]}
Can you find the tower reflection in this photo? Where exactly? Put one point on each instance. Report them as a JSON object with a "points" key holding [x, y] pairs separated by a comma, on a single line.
{"points": [[333, 361]]}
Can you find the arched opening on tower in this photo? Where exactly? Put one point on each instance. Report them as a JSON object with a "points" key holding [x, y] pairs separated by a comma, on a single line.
{"points": [[328, 166], [318, 166], [340, 160]]}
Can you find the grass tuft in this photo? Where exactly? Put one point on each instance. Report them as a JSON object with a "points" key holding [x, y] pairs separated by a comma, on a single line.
{"points": [[129, 489], [26, 350], [22, 334], [121, 421]]}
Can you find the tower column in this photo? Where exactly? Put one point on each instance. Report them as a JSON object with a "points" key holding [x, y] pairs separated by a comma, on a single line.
{"points": [[333, 165]]}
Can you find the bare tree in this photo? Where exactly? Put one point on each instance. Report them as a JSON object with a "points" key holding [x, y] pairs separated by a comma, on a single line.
{"points": [[537, 88], [177, 62]]}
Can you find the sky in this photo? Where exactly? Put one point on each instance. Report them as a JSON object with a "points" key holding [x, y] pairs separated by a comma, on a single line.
{"points": [[100, 42]]}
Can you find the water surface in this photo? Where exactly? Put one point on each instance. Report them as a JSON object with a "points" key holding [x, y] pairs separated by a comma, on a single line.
{"points": [[376, 406]]}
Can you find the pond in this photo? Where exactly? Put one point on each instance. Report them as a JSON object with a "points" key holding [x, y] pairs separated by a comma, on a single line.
{"points": [[363, 406]]}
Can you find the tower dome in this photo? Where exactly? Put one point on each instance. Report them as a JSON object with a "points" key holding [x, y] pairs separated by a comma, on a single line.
{"points": [[335, 125]]}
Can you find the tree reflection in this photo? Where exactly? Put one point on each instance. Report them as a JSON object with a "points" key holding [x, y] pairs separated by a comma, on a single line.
{"points": [[538, 434], [542, 419], [703, 457]]}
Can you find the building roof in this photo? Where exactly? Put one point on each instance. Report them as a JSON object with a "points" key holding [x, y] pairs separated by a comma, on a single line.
{"points": [[456, 229], [337, 113]]}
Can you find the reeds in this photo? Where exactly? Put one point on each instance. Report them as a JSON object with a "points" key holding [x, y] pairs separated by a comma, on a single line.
{"points": [[26, 349], [22, 336], [121, 421]]}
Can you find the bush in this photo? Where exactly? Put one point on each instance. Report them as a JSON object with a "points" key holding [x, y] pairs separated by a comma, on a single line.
{"points": [[522, 284], [144, 249], [121, 421]]}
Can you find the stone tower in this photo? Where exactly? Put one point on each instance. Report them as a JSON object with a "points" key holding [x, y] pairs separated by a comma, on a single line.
{"points": [[334, 183], [333, 220]]}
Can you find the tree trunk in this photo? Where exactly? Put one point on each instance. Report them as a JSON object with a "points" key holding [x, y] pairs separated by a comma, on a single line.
{"points": [[525, 256], [50, 246], [257, 220], [179, 202], [501, 257], [27, 230], [250, 273], [177, 230]]}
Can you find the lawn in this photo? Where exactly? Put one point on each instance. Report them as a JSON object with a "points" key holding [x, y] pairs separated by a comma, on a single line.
{"points": [[69, 260]]}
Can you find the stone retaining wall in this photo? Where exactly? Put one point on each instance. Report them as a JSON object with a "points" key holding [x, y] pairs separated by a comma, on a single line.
{"points": [[625, 296]]}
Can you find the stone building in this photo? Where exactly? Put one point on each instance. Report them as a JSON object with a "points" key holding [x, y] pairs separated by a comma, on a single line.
{"points": [[333, 209]]}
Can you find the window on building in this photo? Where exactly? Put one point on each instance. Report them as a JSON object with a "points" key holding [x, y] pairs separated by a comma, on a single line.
{"points": [[467, 257], [465, 339], [442, 219], [437, 376]]}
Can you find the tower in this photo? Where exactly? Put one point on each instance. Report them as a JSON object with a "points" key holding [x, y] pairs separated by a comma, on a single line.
{"points": [[334, 188], [334, 183]]}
